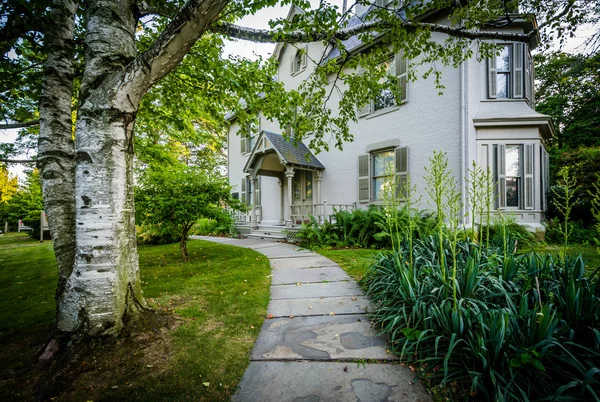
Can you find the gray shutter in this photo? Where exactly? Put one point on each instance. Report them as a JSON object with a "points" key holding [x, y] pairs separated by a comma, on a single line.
{"points": [[518, 70], [304, 57], [529, 164], [243, 191], [364, 179], [501, 175], [292, 59], [528, 75], [401, 171], [243, 144], [401, 69], [492, 77]]}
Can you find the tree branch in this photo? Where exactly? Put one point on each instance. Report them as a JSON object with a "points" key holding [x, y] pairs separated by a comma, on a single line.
{"points": [[167, 10], [192, 20], [24, 124], [17, 160], [271, 36]]}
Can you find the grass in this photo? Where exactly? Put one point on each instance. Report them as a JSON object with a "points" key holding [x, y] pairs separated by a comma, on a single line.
{"points": [[220, 298], [354, 261]]}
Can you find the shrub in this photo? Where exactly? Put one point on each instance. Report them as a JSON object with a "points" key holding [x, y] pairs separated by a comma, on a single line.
{"points": [[519, 328], [156, 234]]}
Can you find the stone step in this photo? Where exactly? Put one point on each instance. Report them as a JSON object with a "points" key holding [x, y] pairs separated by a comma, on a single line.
{"points": [[318, 306], [328, 382], [346, 337], [272, 238]]}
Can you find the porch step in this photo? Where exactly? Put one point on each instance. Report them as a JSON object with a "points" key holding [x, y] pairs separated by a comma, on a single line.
{"points": [[273, 237]]}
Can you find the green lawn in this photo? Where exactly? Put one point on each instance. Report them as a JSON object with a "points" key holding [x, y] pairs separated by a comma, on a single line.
{"points": [[355, 261], [220, 298]]}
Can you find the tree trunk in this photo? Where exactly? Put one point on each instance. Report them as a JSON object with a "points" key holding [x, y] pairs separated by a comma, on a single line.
{"points": [[183, 242], [56, 148], [99, 291]]}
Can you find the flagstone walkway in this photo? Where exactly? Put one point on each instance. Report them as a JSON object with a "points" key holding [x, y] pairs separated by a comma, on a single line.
{"points": [[318, 344]]}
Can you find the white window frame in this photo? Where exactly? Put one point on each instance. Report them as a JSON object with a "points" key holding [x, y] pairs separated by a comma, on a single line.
{"points": [[298, 60], [519, 75]]}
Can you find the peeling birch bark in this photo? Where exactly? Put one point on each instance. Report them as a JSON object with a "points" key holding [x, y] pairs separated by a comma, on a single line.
{"points": [[56, 148]]}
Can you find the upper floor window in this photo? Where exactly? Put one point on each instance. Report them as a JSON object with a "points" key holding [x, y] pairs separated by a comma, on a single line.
{"points": [[510, 73], [397, 70], [249, 136], [298, 62]]}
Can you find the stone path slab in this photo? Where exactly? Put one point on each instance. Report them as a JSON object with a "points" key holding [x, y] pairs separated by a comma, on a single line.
{"points": [[318, 306], [328, 382], [312, 290], [320, 338], [329, 274], [316, 261], [298, 359]]}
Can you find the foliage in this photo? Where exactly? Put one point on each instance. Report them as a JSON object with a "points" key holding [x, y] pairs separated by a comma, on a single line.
{"points": [[564, 198], [362, 228], [8, 184], [508, 227], [221, 226], [523, 327], [220, 298], [178, 197], [26, 204]]}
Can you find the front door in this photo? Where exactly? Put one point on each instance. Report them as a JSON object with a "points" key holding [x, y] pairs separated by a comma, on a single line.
{"points": [[303, 196]]}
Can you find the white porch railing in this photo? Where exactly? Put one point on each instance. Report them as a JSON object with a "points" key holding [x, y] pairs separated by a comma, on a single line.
{"points": [[324, 212], [246, 217]]}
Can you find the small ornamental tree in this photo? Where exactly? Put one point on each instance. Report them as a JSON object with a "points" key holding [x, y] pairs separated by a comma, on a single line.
{"points": [[181, 196]]}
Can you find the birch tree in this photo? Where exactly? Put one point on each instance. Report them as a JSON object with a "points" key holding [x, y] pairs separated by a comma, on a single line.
{"points": [[87, 173]]}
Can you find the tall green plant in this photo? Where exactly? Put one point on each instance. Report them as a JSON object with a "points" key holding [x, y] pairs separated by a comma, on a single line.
{"points": [[596, 210], [475, 198], [564, 200], [438, 181]]}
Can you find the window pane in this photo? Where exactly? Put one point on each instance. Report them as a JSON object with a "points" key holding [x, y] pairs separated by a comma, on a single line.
{"points": [[512, 191], [502, 85], [297, 186], [382, 162], [513, 160], [308, 185], [384, 99], [379, 187], [503, 59]]}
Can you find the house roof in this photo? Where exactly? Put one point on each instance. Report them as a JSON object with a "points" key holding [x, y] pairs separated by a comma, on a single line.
{"points": [[512, 112], [289, 154], [298, 154]]}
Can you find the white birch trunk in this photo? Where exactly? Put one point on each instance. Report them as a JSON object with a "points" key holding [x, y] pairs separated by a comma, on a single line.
{"points": [[56, 148]]}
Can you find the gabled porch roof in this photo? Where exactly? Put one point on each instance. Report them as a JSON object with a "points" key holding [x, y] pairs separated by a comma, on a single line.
{"points": [[288, 154]]}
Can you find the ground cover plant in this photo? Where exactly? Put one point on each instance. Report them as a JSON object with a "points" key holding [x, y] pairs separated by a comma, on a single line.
{"points": [[217, 302]]}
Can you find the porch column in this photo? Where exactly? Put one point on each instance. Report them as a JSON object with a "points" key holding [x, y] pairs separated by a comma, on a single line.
{"points": [[254, 195], [289, 173], [318, 211], [281, 196]]}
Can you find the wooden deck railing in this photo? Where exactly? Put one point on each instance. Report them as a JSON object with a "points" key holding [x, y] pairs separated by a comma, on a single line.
{"points": [[324, 212]]}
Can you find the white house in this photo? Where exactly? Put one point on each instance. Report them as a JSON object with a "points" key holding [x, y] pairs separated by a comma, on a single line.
{"points": [[485, 115]]}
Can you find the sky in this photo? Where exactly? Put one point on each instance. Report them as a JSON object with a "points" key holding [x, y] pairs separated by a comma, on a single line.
{"points": [[253, 50]]}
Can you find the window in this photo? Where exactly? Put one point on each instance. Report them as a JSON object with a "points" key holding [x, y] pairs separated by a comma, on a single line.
{"points": [[374, 171], [510, 73], [513, 168], [302, 185], [298, 62], [246, 191], [250, 135], [397, 68]]}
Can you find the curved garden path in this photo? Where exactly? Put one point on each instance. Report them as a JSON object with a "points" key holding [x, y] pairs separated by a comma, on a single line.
{"points": [[318, 344]]}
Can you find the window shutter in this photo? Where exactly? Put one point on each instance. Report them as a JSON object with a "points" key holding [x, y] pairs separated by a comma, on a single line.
{"points": [[243, 144], [401, 171], [492, 77], [528, 159], [501, 176], [366, 109], [401, 68], [518, 70], [303, 57], [292, 62], [243, 191], [364, 179]]}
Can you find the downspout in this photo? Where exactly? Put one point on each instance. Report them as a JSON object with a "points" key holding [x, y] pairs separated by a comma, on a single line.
{"points": [[464, 136]]}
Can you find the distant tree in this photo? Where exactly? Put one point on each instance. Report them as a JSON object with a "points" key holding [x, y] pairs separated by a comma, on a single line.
{"points": [[27, 203], [180, 197], [569, 92], [8, 184]]}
